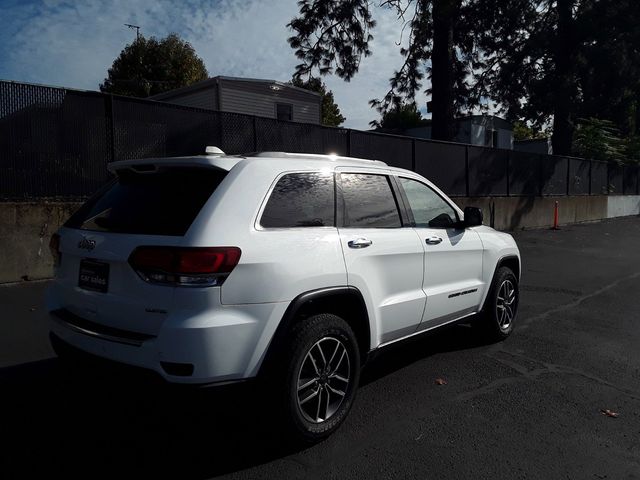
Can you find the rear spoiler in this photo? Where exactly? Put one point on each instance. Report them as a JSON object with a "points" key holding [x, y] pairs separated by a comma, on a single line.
{"points": [[152, 165]]}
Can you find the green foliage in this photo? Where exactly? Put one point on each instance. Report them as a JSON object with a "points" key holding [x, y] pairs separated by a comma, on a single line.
{"points": [[521, 131], [332, 36], [149, 66], [399, 118], [599, 140], [632, 149], [539, 61], [560, 60], [331, 115]]}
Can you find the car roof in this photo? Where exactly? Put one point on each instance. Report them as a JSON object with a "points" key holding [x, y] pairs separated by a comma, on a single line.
{"points": [[227, 162]]}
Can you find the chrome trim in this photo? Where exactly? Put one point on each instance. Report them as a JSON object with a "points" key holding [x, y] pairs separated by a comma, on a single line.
{"points": [[424, 331], [101, 336]]}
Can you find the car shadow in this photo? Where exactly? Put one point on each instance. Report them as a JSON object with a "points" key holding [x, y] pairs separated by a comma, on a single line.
{"points": [[106, 421], [399, 355]]}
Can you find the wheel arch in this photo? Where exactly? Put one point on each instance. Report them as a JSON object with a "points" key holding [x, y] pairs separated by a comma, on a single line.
{"points": [[512, 262], [346, 302]]}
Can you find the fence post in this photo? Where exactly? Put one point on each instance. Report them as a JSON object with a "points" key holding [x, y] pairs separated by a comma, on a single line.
{"points": [[540, 176], [508, 173], [590, 176], [349, 142], [108, 110], [568, 174], [413, 154], [466, 170], [255, 134]]}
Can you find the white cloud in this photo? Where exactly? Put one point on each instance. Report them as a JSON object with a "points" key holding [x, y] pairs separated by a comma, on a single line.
{"points": [[73, 43]]}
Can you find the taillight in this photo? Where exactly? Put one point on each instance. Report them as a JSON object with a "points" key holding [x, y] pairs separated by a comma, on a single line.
{"points": [[198, 266], [54, 247]]}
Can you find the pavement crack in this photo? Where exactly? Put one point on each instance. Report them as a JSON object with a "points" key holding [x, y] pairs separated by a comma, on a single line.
{"points": [[540, 368], [567, 306], [541, 289]]}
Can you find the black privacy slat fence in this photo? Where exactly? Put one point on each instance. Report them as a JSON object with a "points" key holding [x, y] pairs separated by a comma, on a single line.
{"points": [[55, 143]]}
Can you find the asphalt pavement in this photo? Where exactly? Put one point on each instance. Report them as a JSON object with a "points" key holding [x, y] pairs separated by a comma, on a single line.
{"points": [[530, 407]]}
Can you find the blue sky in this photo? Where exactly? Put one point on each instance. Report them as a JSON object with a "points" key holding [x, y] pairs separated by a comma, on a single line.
{"points": [[72, 43]]}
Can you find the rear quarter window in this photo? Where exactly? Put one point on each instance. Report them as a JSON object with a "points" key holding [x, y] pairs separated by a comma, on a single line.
{"points": [[301, 200], [160, 203]]}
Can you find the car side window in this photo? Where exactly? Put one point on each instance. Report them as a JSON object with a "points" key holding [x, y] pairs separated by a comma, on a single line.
{"points": [[301, 200], [369, 201], [429, 209]]}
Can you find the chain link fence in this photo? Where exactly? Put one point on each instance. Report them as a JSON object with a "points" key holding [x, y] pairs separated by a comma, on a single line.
{"points": [[55, 143]]}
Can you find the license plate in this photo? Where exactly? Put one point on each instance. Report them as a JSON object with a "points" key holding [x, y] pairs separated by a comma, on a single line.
{"points": [[94, 275]]}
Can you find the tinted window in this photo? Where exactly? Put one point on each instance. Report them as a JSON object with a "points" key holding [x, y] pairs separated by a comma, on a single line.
{"points": [[429, 209], [162, 203], [300, 200], [368, 201]]}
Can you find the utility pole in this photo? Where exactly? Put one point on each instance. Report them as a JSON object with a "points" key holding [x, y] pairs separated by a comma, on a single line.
{"points": [[134, 27]]}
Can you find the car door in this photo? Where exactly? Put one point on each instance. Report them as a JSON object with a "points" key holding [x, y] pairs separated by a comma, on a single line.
{"points": [[383, 255], [453, 255]]}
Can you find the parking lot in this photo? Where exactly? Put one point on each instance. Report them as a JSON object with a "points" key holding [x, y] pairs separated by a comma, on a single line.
{"points": [[530, 407]]}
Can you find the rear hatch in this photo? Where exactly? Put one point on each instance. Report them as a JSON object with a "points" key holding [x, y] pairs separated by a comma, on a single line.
{"points": [[148, 205]]}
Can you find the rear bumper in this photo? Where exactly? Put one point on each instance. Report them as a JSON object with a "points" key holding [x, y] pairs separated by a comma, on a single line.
{"points": [[212, 347]]}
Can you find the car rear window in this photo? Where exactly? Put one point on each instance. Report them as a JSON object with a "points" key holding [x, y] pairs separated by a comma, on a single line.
{"points": [[301, 200], [160, 203]]}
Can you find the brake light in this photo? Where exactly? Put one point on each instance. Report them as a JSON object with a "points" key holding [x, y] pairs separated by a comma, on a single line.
{"points": [[198, 266], [54, 247]]}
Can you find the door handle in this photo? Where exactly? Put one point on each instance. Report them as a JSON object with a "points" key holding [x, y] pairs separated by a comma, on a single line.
{"points": [[359, 243], [433, 240]]}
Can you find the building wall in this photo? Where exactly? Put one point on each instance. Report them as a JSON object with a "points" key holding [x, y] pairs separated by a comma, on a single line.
{"points": [[542, 145], [473, 131], [253, 100], [202, 98], [249, 97], [505, 139], [419, 132]]}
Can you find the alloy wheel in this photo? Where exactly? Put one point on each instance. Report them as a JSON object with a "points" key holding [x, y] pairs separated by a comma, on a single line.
{"points": [[506, 304], [323, 379]]}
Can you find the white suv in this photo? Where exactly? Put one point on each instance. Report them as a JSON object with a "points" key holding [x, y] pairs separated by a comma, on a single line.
{"points": [[214, 269]]}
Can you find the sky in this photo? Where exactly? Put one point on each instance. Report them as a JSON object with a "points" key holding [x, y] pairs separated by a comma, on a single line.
{"points": [[73, 43]]}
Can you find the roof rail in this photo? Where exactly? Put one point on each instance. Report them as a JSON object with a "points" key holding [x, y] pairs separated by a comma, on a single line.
{"points": [[331, 156]]}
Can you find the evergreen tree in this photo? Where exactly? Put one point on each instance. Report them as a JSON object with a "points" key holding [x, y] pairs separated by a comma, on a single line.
{"points": [[331, 115], [332, 36]]}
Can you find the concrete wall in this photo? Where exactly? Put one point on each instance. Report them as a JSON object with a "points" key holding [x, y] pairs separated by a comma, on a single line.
{"points": [[25, 228], [623, 205], [513, 213]]}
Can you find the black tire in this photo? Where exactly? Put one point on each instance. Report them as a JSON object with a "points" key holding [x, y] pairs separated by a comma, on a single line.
{"points": [[319, 336], [71, 358], [501, 308], [63, 351]]}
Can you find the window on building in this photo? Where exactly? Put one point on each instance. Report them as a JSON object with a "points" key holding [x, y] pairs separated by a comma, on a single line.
{"points": [[284, 111]]}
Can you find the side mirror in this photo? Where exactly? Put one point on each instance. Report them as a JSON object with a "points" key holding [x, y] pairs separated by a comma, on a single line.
{"points": [[472, 216]]}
